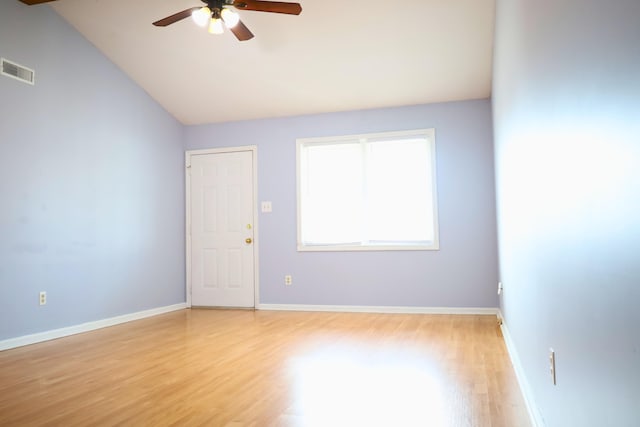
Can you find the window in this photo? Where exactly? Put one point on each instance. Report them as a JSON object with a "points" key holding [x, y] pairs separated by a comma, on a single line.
{"points": [[367, 192]]}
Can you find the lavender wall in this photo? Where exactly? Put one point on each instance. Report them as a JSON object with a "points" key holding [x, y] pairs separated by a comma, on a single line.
{"points": [[462, 274], [567, 130], [91, 184]]}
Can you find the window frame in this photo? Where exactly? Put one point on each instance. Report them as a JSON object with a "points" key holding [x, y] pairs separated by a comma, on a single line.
{"points": [[427, 133]]}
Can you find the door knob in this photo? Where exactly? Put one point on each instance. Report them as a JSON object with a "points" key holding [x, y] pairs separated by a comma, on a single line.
{"points": [[248, 240]]}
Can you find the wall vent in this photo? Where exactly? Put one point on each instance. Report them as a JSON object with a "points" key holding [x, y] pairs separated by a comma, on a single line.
{"points": [[17, 71]]}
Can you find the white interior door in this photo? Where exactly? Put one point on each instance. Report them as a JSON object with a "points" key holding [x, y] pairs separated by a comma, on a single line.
{"points": [[222, 229]]}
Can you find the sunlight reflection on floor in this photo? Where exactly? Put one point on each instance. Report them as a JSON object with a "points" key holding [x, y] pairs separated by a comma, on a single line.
{"points": [[342, 389]]}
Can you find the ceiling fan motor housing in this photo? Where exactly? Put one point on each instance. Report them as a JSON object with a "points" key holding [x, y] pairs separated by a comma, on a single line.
{"points": [[219, 4]]}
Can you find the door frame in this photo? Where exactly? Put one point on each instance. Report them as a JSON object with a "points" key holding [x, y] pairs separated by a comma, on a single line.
{"points": [[187, 175]]}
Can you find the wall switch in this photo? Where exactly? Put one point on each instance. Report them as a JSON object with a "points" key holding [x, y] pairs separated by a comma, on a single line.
{"points": [[43, 298], [552, 365], [499, 288], [288, 280], [266, 207]]}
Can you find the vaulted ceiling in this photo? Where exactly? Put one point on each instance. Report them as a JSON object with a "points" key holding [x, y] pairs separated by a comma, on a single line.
{"points": [[336, 55]]}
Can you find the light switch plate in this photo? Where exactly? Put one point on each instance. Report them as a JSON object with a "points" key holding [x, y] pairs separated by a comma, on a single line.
{"points": [[266, 207]]}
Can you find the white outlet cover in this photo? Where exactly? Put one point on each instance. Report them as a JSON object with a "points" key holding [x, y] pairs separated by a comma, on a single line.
{"points": [[266, 207]]}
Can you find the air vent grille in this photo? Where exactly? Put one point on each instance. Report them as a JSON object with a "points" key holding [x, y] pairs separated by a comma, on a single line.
{"points": [[17, 71]]}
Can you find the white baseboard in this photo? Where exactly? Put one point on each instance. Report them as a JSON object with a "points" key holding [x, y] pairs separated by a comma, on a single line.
{"points": [[86, 327], [525, 388], [380, 309]]}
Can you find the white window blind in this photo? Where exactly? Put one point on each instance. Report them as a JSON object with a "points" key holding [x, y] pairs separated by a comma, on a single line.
{"points": [[367, 192]]}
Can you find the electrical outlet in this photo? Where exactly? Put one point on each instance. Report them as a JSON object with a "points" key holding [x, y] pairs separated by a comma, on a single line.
{"points": [[499, 288], [43, 298], [552, 365], [288, 280]]}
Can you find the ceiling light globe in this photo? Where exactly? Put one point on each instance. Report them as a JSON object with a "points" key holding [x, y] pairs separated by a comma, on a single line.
{"points": [[201, 16], [215, 26], [230, 17]]}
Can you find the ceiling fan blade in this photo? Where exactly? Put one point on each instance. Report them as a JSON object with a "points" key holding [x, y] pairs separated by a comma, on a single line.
{"points": [[175, 17], [269, 6], [32, 2], [241, 31]]}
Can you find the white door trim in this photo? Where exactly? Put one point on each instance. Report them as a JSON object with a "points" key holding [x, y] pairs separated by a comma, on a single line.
{"points": [[188, 154]]}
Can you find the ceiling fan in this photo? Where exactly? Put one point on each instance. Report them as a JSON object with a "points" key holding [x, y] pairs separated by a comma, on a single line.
{"points": [[215, 13]]}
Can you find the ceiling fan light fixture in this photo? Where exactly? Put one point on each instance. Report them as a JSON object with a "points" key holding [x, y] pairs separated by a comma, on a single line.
{"points": [[201, 16], [215, 26], [217, 14], [230, 17]]}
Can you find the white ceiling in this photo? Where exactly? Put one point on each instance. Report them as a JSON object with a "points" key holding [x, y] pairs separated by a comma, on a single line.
{"points": [[336, 55]]}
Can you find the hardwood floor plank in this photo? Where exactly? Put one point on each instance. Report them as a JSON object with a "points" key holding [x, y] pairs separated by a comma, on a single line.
{"points": [[233, 368]]}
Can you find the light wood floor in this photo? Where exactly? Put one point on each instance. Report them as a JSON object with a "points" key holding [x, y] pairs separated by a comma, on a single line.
{"points": [[265, 368]]}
